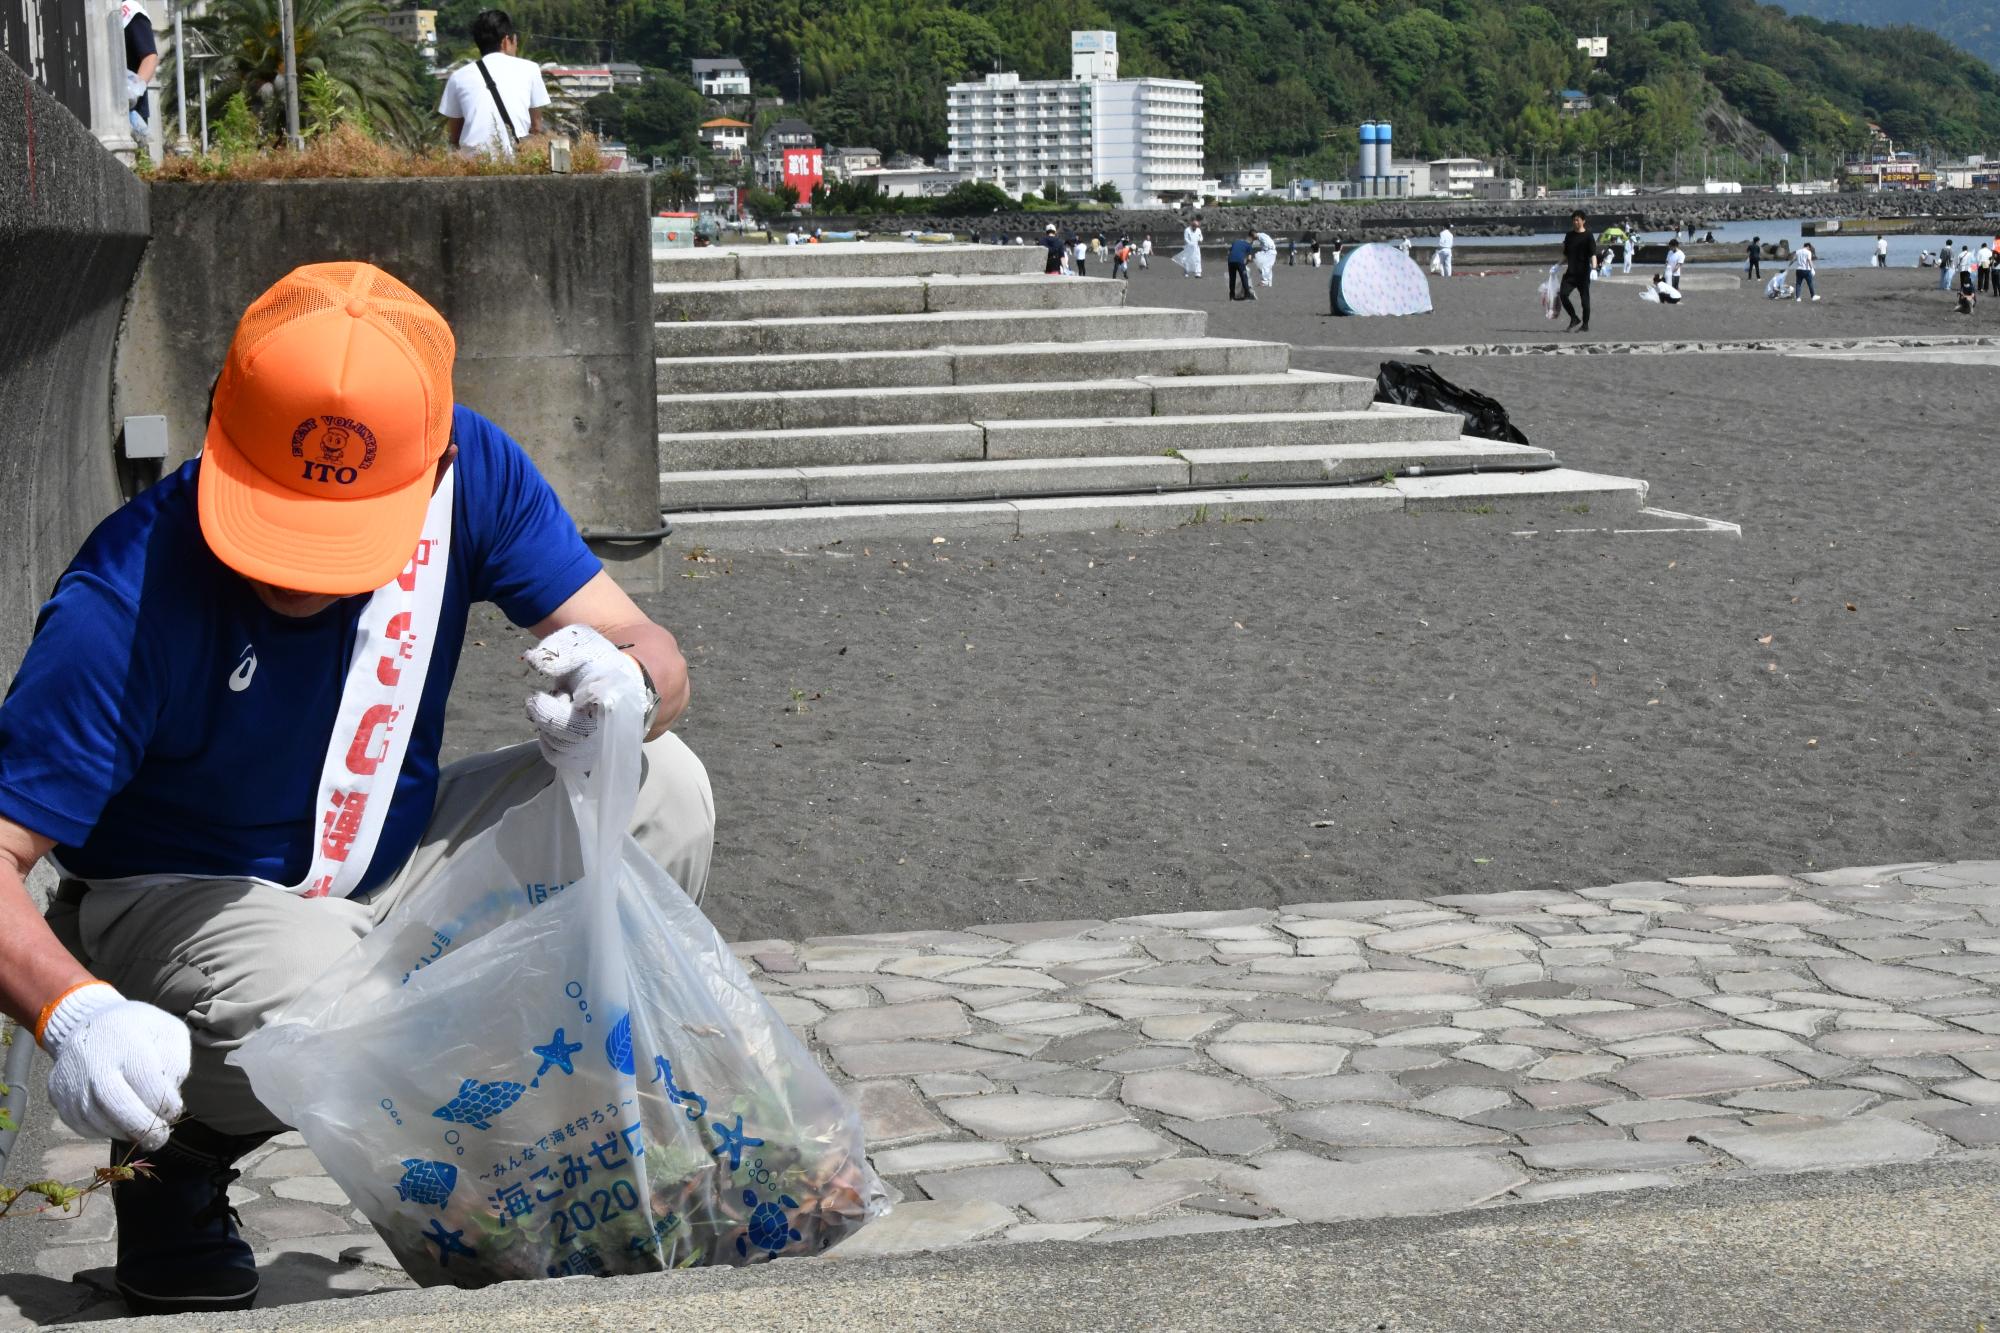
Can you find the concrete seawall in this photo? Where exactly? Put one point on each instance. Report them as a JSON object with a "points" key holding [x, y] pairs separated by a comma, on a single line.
{"points": [[73, 224], [546, 281]]}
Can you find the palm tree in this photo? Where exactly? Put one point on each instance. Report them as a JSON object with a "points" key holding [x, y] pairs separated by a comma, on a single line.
{"points": [[364, 66]]}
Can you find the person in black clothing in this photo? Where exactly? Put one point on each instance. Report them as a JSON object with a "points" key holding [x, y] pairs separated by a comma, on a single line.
{"points": [[1755, 268], [1578, 251], [1054, 245], [142, 57]]}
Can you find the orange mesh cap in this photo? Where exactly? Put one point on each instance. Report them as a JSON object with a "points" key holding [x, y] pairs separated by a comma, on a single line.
{"points": [[332, 411]]}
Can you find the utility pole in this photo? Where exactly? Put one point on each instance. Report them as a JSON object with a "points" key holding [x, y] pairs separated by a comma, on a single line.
{"points": [[291, 74]]}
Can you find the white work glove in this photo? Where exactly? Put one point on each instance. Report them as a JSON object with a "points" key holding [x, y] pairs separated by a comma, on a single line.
{"points": [[135, 88], [119, 1065], [580, 667]]}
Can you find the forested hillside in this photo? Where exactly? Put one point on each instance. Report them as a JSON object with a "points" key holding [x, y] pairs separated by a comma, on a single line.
{"points": [[1290, 79], [1972, 24]]}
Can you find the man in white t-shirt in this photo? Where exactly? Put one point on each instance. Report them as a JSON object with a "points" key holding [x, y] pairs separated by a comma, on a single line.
{"points": [[471, 117], [1444, 250]]}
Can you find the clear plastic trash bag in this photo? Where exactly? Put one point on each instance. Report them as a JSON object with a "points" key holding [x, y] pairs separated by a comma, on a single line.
{"points": [[545, 1062], [1551, 292]]}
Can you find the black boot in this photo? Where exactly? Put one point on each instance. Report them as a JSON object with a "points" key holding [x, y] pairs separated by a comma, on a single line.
{"points": [[178, 1248]]}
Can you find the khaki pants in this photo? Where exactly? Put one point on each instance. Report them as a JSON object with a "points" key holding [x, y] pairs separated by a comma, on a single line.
{"points": [[227, 953]]}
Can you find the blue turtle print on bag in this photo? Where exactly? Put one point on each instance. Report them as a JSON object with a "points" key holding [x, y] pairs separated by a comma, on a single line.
{"points": [[618, 1045], [477, 1103], [426, 1182], [769, 1229]]}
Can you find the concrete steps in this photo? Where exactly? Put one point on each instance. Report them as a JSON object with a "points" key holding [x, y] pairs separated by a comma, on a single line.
{"points": [[828, 393], [1003, 363], [1038, 438], [793, 335], [805, 297], [1559, 494], [1140, 396], [875, 259], [1188, 469]]}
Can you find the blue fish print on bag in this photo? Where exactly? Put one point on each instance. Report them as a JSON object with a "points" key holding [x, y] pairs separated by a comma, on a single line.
{"points": [[477, 1103], [426, 1182]]}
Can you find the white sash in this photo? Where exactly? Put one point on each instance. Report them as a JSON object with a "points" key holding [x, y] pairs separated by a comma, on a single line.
{"points": [[378, 709]]}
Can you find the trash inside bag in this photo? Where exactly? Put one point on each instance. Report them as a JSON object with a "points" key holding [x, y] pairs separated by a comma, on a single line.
{"points": [[1551, 292], [1420, 386], [545, 1063]]}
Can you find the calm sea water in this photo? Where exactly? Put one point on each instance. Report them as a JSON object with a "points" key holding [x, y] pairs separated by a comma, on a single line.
{"points": [[1855, 250]]}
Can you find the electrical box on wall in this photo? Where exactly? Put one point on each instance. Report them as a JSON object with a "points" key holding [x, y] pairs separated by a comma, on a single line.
{"points": [[145, 437]]}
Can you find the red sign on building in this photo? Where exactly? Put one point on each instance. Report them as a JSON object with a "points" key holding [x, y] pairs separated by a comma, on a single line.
{"points": [[802, 170]]}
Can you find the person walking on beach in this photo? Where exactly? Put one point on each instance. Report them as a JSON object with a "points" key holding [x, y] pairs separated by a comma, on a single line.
{"points": [[1755, 268], [1628, 249], [1058, 251], [1291, 251], [1881, 251], [1945, 266], [1265, 257], [1676, 260], [1444, 250], [1239, 266], [1190, 256], [1146, 248], [1578, 255], [1805, 268], [1985, 266]]}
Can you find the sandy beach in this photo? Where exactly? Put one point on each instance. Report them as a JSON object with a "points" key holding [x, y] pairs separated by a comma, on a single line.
{"points": [[931, 735]]}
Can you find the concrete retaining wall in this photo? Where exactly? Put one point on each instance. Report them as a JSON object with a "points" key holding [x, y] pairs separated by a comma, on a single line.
{"points": [[72, 228], [1391, 219], [546, 281]]}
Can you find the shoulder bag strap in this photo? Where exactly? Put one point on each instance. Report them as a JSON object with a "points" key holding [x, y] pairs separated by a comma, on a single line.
{"points": [[507, 125]]}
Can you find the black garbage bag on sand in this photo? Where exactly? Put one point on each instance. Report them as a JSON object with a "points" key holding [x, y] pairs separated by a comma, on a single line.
{"points": [[1420, 386]]}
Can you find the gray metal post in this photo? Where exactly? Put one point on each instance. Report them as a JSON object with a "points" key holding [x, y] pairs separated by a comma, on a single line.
{"points": [[204, 107], [181, 145], [291, 75]]}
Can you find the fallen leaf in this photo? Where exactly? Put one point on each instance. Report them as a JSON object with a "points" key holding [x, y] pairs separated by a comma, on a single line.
{"points": [[1764, 638], [1852, 607]]}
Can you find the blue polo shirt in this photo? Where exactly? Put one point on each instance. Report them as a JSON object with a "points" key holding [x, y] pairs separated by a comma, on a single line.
{"points": [[1239, 252], [165, 722]]}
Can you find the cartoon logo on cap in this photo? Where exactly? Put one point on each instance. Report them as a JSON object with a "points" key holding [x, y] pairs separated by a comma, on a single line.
{"points": [[331, 449]]}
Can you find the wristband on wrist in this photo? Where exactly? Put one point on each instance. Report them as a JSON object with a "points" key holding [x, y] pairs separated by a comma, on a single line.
{"points": [[77, 1012]]}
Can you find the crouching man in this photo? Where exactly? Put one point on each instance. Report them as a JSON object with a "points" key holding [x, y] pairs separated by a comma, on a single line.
{"points": [[225, 734]]}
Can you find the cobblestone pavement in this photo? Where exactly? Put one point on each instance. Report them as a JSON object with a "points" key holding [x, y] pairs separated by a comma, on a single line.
{"points": [[1214, 1071]]}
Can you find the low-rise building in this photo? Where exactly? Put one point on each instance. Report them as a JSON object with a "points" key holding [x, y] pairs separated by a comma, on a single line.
{"points": [[842, 163], [1246, 181], [911, 182], [570, 86], [790, 135], [416, 27], [1573, 101], [721, 77], [1459, 177], [626, 74], [725, 138]]}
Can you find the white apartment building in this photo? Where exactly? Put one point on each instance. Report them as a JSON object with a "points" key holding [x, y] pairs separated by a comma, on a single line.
{"points": [[1142, 135]]}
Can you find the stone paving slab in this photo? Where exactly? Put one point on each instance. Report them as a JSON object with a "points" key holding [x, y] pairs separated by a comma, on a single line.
{"points": [[1197, 1072]]}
